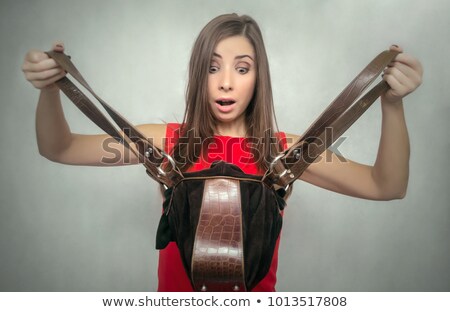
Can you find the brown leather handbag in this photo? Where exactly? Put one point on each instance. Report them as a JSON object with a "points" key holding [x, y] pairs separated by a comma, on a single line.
{"points": [[226, 222]]}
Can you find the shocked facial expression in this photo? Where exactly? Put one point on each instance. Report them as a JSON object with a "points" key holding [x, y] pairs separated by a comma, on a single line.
{"points": [[231, 79]]}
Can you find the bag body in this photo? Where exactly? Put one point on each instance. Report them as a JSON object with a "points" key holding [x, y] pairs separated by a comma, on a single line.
{"points": [[225, 223]]}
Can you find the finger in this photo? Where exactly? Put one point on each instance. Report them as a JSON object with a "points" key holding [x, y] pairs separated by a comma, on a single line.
{"points": [[396, 48], [397, 89], [58, 46], [404, 75], [41, 66], [35, 56], [410, 61], [44, 75], [399, 76], [40, 84], [400, 67], [409, 72]]}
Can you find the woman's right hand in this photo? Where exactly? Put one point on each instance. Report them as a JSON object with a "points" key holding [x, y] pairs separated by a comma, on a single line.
{"points": [[41, 70]]}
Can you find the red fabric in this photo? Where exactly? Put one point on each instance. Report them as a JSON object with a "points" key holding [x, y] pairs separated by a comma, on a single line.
{"points": [[171, 273]]}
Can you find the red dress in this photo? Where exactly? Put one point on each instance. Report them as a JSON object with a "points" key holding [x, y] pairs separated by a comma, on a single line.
{"points": [[171, 273]]}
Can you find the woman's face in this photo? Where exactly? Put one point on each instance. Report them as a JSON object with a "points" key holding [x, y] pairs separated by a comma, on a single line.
{"points": [[231, 79]]}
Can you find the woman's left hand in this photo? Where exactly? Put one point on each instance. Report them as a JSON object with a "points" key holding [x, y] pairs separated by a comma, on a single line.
{"points": [[403, 75]]}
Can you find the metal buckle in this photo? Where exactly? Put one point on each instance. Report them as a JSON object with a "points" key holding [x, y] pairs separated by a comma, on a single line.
{"points": [[160, 172], [272, 164], [150, 150], [285, 171], [171, 161]]}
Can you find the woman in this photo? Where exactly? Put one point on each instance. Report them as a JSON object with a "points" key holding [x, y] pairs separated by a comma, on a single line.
{"points": [[229, 99]]}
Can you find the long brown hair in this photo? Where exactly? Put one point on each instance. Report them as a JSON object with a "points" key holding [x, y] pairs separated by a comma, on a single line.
{"points": [[199, 122]]}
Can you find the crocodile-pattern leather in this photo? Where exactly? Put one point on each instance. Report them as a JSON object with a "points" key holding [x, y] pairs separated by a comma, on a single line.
{"points": [[218, 259]]}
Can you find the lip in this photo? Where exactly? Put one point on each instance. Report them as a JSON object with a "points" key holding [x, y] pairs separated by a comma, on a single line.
{"points": [[225, 99], [225, 108]]}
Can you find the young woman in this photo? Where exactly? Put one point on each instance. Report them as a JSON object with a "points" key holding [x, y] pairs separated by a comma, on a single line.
{"points": [[229, 99]]}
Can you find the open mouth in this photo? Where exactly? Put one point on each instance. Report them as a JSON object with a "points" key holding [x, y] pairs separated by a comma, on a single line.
{"points": [[225, 102]]}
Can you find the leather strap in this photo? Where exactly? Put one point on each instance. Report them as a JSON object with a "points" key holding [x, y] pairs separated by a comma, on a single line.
{"points": [[287, 166], [334, 121], [218, 253], [148, 154]]}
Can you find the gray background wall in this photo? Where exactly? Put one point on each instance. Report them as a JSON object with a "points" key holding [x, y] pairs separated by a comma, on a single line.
{"points": [[68, 228]]}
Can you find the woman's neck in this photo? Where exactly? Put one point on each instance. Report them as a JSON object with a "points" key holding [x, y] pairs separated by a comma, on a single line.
{"points": [[232, 129]]}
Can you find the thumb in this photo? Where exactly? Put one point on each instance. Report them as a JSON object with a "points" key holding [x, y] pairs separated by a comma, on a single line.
{"points": [[58, 46], [395, 47]]}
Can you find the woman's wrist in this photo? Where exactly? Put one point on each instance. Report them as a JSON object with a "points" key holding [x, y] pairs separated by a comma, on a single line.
{"points": [[391, 104], [50, 90]]}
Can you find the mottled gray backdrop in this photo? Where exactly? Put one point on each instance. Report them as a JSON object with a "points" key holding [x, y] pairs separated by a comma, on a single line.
{"points": [[68, 228]]}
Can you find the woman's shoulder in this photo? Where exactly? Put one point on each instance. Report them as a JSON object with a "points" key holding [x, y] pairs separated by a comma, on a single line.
{"points": [[154, 132], [289, 137], [163, 135]]}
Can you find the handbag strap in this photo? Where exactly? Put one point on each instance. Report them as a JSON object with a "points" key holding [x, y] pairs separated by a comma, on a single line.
{"points": [[289, 165], [151, 156]]}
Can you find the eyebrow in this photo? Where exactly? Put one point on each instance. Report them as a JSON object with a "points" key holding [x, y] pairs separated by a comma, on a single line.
{"points": [[236, 58]]}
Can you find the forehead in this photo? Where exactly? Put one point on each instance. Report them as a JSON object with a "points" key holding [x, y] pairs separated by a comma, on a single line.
{"points": [[235, 45]]}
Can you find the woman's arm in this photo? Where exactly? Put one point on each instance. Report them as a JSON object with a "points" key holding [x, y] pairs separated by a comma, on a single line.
{"points": [[54, 137], [388, 177]]}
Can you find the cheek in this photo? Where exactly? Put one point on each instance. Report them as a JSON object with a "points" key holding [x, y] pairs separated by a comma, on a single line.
{"points": [[210, 84], [250, 87]]}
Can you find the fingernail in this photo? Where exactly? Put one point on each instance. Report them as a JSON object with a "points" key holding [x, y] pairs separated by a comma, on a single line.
{"points": [[394, 45]]}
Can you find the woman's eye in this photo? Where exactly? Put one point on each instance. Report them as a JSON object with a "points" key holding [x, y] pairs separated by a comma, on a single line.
{"points": [[213, 69], [242, 70]]}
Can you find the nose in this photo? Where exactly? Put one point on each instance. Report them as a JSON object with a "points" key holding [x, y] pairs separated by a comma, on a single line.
{"points": [[226, 80]]}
